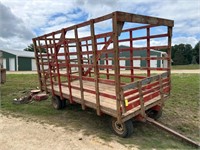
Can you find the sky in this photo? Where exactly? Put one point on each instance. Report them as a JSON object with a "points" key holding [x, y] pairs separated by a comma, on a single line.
{"points": [[22, 20]]}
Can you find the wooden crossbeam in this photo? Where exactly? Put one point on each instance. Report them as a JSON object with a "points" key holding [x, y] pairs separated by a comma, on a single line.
{"points": [[144, 81], [99, 54]]}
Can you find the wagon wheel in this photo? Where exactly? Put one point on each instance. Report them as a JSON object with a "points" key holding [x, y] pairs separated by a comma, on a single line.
{"points": [[123, 130], [63, 103], [56, 102], [154, 114]]}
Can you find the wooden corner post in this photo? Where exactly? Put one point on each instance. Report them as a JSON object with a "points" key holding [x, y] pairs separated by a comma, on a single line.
{"points": [[169, 54], [80, 70], [37, 63], [96, 70], [116, 64]]}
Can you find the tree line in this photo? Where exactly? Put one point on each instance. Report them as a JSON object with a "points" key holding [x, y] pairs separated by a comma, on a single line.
{"points": [[182, 54], [30, 48]]}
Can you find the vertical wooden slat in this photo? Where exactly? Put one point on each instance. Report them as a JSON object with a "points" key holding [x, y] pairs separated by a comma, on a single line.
{"points": [[88, 56], [148, 53], [52, 60], [96, 70], [37, 63], [43, 72], [68, 69], [49, 62], [107, 70], [57, 66], [141, 99], [161, 90], [122, 100], [80, 70], [131, 55], [116, 66], [169, 54]]}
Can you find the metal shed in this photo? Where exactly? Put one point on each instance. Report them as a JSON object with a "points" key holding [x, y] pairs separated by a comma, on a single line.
{"points": [[138, 57], [16, 60]]}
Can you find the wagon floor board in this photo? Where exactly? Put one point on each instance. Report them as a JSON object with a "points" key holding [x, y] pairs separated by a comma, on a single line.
{"points": [[103, 88]]}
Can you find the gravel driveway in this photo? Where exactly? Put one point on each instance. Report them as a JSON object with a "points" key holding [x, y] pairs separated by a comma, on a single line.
{"points": [[21, 134]]}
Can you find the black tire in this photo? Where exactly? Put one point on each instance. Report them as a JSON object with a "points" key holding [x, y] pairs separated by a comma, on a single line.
{"points": [[123, 130], [154, 114], [56, 102], [63, 103]]}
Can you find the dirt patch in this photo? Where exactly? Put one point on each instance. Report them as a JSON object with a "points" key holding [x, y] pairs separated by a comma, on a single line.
{"points": [[19, 133]]}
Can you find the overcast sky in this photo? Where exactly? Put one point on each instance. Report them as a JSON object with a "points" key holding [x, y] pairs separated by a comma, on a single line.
{"points": [[21, 20]]}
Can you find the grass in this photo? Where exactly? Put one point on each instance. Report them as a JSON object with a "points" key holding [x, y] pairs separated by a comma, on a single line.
{"points": [[180, 113], [186, 67]]}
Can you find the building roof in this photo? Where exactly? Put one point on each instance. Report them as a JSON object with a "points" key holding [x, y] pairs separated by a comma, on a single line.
{"points": [[157, 51], [20, 53]]}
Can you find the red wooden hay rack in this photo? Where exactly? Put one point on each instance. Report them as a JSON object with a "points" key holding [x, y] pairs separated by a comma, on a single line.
{"points": [[71, 67]]}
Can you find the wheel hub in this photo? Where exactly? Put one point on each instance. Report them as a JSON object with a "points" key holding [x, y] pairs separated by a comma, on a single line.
{"points": [[119, 126]]}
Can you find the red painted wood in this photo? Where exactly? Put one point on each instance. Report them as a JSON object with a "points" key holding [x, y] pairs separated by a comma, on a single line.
{"points": [[146, 98]]}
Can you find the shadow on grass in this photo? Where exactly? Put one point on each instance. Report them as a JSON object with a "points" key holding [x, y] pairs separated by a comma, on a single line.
{"points": [[74, 118], [145, 136]]}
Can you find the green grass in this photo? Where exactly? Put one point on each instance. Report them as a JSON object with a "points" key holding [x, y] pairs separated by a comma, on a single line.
{"points": [[180, 113], [186, 67]]}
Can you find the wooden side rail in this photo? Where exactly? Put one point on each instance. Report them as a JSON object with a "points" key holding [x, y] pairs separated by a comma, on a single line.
{"points": [[139, 92], [144, 81]]}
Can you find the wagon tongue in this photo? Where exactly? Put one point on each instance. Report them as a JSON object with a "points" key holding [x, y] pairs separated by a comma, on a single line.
{"points": [[157, 124]]}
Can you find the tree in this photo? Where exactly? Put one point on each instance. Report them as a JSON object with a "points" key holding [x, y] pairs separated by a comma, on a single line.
{"points": [[182, 54], [178, 58], [30, 48], [188, 53], [195, 52], [194, 61]]}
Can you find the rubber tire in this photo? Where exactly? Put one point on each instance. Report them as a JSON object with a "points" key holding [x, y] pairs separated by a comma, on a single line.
{"points": [[56, 102], [154, 114], [63, 103], [127, 128]]}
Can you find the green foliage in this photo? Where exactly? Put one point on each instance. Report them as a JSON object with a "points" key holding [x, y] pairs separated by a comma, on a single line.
{"points": [[194, 60], [179, 58], [195, 52], [184, 54], [30, 48]]}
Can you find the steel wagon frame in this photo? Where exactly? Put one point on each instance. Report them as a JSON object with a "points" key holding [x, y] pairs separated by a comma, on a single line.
{"points": [[69, 65]]}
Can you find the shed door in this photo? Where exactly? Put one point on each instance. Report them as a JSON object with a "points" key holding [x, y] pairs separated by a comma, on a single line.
{"points": [[4, 63], [137, 63], [153, 63], [12, 64], [33, 64]]}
